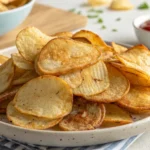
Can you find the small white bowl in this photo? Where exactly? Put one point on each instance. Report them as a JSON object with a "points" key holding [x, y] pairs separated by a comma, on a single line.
{"points": [[142, 35]]}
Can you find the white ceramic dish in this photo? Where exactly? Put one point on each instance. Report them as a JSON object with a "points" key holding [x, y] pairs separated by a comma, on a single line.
{"points": [[142, 35], [71, 138]]}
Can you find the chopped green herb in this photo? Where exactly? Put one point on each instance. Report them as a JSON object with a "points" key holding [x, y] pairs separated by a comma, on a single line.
{"points": [[79, 12], [103, 27], [91, 10], [98, 11], [100, 20], [118, 19], [72, 10], [144, 6], [92, 16], [114, 30]]}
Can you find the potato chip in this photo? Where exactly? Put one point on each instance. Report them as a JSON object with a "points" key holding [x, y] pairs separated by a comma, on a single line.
{"points": [[6, 75], [95, 80], [46, 96], [27, 76], [4, 104], [9, 94], [19, 3], [121, 5], [21, 63], [84, 116], [119, 86], [11, 6], [18, 73], [137, 100], [93, 38], [82, 39], [6, 1], [30, 41], [119, 48], [63, 34], [3, 59], [115, 116], [136, 79], [61, 56], [98, 2], [73, 79], [28, 121], [3, 7], [138, 59]]}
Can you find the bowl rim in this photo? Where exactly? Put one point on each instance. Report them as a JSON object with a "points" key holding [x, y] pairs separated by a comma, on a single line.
{"points": [[137, 27], [31, 2]]}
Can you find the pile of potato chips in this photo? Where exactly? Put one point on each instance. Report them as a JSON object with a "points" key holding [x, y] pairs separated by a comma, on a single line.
{"points": [[75, 81], [11, 4]]}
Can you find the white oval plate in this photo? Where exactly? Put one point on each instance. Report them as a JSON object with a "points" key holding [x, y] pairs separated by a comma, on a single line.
{"points": [[71, 138]]}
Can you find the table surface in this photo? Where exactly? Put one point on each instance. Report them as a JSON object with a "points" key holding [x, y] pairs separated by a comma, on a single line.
{"points": [[125, 34]]}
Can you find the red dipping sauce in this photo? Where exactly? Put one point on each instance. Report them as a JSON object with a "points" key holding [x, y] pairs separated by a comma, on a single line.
{"points": [[146, 25]]}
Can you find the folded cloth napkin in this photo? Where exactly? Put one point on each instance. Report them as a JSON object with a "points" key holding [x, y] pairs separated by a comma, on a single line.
{"points": [[8, 144]]}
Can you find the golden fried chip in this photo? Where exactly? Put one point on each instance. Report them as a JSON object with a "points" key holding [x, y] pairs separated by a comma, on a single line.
{"points": [[137, 100], [119, 48], [63, 34], [84, 116], [136, 79], [3, 59], [82, 39], [28, 121], [98, 2], [61, 56], [115, 116], [3, 7], [18, 73], [93, 38], [21, 63], [9, 94], [73, 79], [46, 96], [95, 80], [18, 3], [121, 5], [30, 41], [119, 86], [27, 76], [137, 59], [4, 104], [6, 75]]}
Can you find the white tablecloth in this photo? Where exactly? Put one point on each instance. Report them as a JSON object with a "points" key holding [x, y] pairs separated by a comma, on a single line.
{"points": [[124, 34]]}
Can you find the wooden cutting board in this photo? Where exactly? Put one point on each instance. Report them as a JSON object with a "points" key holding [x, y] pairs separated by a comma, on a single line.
{"points": [[48, 19]]}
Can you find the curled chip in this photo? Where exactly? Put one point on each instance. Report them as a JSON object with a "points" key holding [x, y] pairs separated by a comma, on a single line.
{"points": [[84, 116], [46, 96], [73, 79], [21, 63], [95, 80], [9, 94], [115, 116], [3, 59], [136, 79], [4, 104], [93, 38], [6, 75], [63, 34], [118, 48], [61, 56], [137, 100], [28, 121], [18, 3], [119, 87], [121, 5], [137, 59], [30, 41], [27, 76]]}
